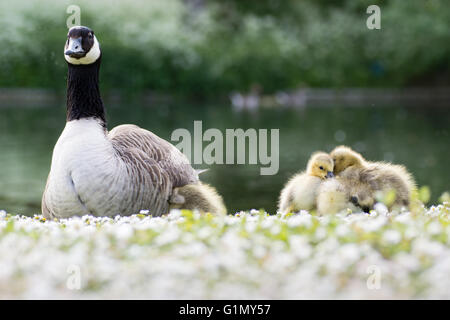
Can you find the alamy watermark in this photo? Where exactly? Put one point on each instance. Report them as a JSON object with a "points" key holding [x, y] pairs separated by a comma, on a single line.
{"points": [[374, 20], [74, 279], [75, 16], [374, 279], [236, 145]]}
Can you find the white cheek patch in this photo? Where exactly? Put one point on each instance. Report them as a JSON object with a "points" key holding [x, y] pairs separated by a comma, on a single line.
{"points": [[89, 58]]}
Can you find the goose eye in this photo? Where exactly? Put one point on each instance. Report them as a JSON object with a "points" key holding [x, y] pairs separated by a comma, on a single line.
{"points": [[321, 168]]}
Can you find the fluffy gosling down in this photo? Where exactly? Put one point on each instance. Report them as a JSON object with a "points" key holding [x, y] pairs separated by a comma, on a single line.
{"points": [[372, 177], [199, 196], [300, 192], [333, 196]]}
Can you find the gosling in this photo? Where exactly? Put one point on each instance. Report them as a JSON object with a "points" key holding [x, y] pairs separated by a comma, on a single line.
{"points": [[373, 176], [199, 196], [300, 192], [343, 193]]}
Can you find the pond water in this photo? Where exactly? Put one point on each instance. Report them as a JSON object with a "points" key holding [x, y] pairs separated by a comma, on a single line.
{"points": [[416, 137]]}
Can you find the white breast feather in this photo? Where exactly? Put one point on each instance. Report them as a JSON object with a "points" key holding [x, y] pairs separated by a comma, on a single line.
{"points": [[84, 155]]}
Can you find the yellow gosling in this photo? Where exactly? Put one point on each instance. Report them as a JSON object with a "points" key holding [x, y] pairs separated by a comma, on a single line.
{"points": [[200, 196], [372, 178], [344, 157], [333, 196], [300, 192]]}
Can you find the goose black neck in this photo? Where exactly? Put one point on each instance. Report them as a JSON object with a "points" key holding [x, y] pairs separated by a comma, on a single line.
{"points": [[83, 93]]}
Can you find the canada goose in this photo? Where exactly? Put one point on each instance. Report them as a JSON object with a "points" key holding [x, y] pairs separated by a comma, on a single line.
{"points": [[301, 190], [199, 196], [373, 177], [103, 173]]}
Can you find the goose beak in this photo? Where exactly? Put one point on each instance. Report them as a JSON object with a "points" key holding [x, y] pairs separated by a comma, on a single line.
{"points": [[330, 174], [74, 48]]}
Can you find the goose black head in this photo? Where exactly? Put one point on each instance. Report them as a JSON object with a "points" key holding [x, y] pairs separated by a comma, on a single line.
{"points": [[82, 46]]}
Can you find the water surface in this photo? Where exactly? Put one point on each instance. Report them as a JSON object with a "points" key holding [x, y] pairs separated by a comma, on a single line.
{"points": [[416, 137]]}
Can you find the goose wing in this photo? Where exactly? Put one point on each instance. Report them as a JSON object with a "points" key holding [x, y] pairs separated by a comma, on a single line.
{"points": [[162, 159]]}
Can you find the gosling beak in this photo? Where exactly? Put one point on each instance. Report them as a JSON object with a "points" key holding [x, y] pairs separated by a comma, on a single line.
{"points": [[74, 48], [330, 174]]}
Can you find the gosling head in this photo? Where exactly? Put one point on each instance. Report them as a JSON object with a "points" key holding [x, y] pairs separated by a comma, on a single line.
{"points": [[365, 203], [82, 46], [344, 157], [320, 165]]}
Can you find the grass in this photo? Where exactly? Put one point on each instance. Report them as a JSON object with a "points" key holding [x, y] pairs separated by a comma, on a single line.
{"points": [[250, 255]]}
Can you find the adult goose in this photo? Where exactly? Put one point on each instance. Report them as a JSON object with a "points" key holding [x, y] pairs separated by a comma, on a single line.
{"points": [[103, 173]]}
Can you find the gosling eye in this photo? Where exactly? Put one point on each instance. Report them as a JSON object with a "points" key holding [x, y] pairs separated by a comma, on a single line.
{"points": [[321, 168]]}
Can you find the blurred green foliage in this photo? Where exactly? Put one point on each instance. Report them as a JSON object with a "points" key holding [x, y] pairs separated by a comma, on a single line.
{"points": [[206, 48], [445, 197], [424, 194]]}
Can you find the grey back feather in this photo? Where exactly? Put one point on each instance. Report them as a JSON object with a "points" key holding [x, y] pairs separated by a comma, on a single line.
{"points": [[154, 165]]}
